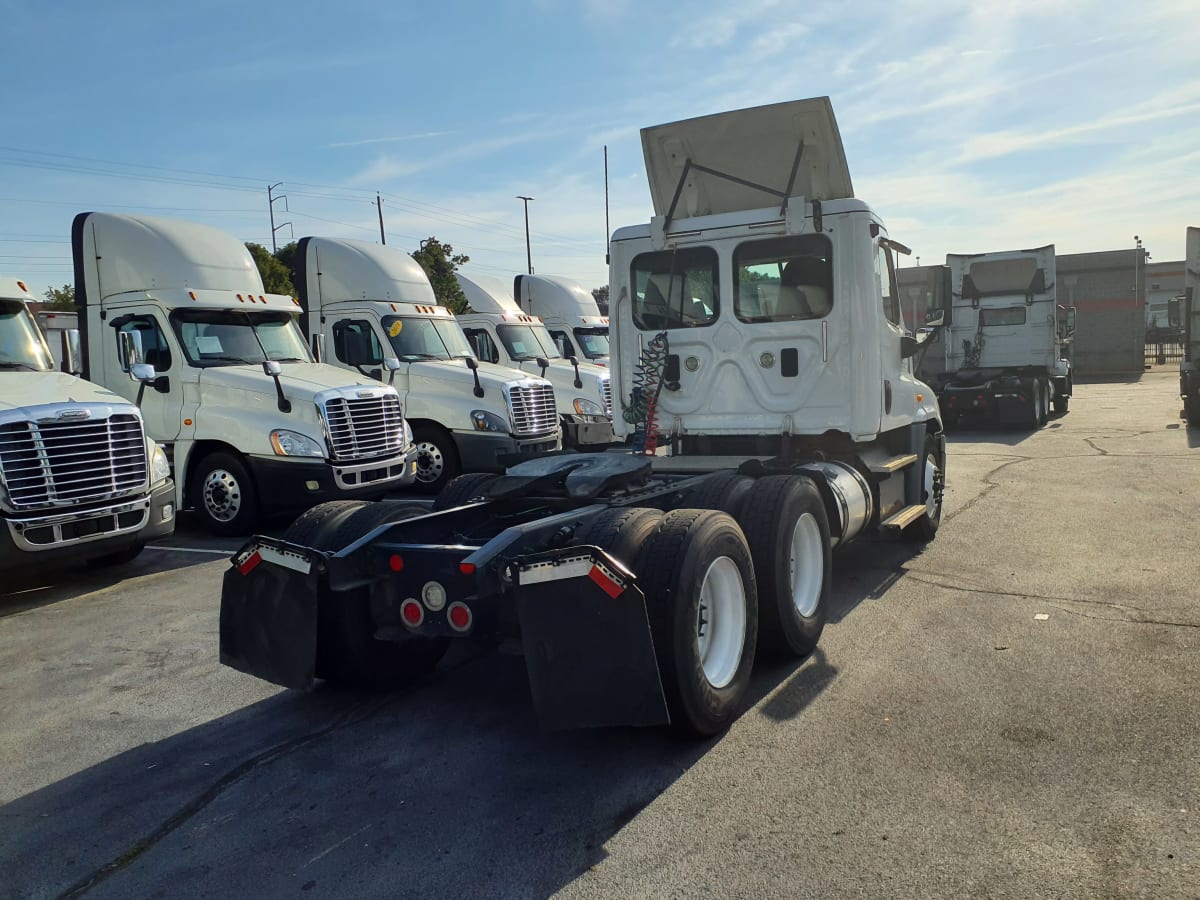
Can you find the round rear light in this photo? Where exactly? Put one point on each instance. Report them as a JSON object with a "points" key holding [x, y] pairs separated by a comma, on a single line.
{"points": [[412, 612], [460, 616]]}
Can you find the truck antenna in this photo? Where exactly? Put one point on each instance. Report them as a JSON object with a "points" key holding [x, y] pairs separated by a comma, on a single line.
{"points": [[379, 207]]}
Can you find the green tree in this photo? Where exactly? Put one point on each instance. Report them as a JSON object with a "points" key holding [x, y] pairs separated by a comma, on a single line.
{"points": [[275, 275], [287, 255], [60, 298], [440, 262], [601, 295]]}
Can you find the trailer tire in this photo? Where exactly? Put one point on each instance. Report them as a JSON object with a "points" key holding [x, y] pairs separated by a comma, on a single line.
{"points": [[305, 528], [698, 563], [463, 489], [620, 532], [348, 655], [933, 482], [437, 458], [223, 494], [787, 528], [1062, 404], [723, 491]]}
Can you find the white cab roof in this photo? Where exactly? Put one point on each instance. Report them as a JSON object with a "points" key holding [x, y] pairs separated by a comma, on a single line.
{"points": [[756, 145], [487, 294], [338, 270], [545, 295], [14, 289]]}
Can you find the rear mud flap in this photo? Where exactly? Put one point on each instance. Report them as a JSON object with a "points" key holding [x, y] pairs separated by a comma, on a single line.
{"points": [[269, 614], [587, 642]]}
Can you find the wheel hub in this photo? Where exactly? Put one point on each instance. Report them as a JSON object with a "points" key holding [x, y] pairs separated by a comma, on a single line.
{"points": [[222, 495], [806, 565], [430, 462], [721, 622]]}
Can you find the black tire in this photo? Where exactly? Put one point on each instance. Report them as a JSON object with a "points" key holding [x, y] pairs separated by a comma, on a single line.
{"points": [[308, 525], [723, 491], [348, 655], [771, 518], [437, 460], [462, 490], [1033, 414], [1062, 404], [117, 557], [1191, 408], [1044, 406], [223, 494], [925, 528], [620, 532], [671, 568]]}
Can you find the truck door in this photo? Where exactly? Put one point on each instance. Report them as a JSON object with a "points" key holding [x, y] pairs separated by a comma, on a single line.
{"points": [[483, 344], [356, 346], [896, 397], [162, 402]]}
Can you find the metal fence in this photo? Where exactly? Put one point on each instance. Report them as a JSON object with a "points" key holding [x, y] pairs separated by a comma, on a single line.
{"points": [[1164, 347]]}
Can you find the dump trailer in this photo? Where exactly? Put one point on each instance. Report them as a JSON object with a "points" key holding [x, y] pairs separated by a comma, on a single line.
{"points": [[771, 423], [1189, 367], [1001, 349], [79, 479]]}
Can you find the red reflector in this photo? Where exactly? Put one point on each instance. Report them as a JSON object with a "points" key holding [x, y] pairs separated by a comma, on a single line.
{"points": [[459, 615], [396, 563], [250, 562], [605, 583], [467, 568], [412, 612]]}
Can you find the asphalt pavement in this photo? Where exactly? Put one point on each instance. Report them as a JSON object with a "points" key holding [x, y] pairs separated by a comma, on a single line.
{"points": [[1011, 711]]}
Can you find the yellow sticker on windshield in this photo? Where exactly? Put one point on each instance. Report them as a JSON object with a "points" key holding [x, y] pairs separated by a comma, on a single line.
{"points": [[395, 328]]}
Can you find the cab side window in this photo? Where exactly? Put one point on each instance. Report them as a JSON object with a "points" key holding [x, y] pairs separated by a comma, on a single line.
{"points": [[565, 347], [482, 344], [155, 350], [889, 297], [354, 341]]}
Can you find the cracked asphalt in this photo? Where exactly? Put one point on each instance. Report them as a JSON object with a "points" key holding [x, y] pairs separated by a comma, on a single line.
{"points": [[1011, 711]]}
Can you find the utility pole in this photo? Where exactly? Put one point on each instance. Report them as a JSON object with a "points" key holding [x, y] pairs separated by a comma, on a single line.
{"points": [[379, 206], [271, 198], [607, 229], [528, 253]]}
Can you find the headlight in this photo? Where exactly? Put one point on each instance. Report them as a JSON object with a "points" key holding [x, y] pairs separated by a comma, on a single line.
{"points": [[487, 421], [160, 468], [587, 407], [291, 443], [408, 435]]}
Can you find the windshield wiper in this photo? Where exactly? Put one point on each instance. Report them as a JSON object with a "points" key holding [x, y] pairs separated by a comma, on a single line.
{"points": [[5, 364], [288, 359], [236, 359], [407, 356]]}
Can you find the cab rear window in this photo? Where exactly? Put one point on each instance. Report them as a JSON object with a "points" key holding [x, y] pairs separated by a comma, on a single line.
{"points": [[675, 289], [1008, 315]]}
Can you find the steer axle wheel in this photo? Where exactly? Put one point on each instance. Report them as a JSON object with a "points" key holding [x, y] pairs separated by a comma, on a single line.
{"points": [[222, 492]]}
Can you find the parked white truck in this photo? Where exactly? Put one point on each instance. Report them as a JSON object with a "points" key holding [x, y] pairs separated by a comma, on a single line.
{"points": [[1000, 357], [55, 324], [365, 302], [500, 332], [79, 478], [570, 313], [252, 425], [760, 351], [1189, 367]]}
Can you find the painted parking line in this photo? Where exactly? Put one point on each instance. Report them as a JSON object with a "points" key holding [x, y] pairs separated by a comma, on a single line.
{"points": [[192, 550]]}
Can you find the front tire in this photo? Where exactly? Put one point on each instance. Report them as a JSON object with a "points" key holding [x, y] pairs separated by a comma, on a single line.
{"points": [[933, 482], [223, 494], [698, 577], [437, 458], [787, 529]]}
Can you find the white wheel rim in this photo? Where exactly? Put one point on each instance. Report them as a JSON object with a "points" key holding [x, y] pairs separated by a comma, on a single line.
{"points": [[931, 499], [430, 462], [806, 565], [222, 495], [721, 622]]}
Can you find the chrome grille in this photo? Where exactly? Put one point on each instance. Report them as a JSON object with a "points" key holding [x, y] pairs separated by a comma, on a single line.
{"points": [[533, 409], [606, 392], [57, 463], [364, 427]]}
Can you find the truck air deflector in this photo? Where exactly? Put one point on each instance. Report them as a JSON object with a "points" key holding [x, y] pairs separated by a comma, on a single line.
{"points": [[586, 634], [742, 160]]}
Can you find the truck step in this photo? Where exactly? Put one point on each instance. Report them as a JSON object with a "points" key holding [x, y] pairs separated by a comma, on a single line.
{"points": [[894, 464], [905, 517]]}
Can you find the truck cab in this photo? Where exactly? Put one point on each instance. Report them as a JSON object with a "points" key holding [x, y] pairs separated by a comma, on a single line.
{"points": [[79, 478], [500, 332], [570, 314], [1189, 367], [364, 303], [252, 424]]}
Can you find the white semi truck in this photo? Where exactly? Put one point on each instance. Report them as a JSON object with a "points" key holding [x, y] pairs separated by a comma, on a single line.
{"points": [[1001, 354], [760, 353], [1189, 367], [79, 478], [253, 426], [499, 331], [570, 313], [365, 302]]}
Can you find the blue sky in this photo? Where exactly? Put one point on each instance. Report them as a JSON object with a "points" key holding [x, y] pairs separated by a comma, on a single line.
{"points": [[968, 126]]}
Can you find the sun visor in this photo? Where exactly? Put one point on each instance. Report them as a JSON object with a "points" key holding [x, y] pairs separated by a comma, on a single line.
{"points": [[746, 159]]}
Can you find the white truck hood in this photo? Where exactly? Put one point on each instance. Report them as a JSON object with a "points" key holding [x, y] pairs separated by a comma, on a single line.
{"points": [[455, 371], [301, 381], [758, 145], [22, 389]]}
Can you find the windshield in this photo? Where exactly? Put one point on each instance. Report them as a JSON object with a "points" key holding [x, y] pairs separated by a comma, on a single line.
{"points": [[230, 337], [21, 343], [528, 341], [416, 337], [593, 342]]}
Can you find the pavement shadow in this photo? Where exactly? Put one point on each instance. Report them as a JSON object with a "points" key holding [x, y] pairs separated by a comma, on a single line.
{"points": [[448, 790]]}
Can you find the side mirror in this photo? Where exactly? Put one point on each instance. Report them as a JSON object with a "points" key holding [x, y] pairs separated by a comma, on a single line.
{"points": [[144, 373], [318, 347], [472, 363], [129, 346], [391, 364], [71, 352], [935, 318], [272, 367], [909, 346]]}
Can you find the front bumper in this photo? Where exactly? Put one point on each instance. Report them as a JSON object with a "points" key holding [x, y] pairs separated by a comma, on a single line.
{"points": [[289, 486], [587, 431], [75, 535], [484, 451]]}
